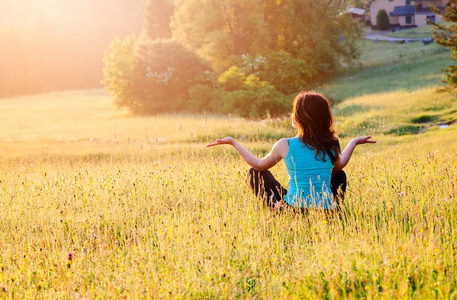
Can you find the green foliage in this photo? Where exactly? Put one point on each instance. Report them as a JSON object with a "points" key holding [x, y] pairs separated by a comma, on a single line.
{"points": [[416, 32], [241, 95], [168, 69], [230, 29], [248, 96], [238, 102], [260, 101], [204, 98], [120, 72], [285, 72], [269, 102], [154, 78], [404, 130], [446, 36], [260, 50], [390, 67], [421, 119], [382, 20], [232, 79]]}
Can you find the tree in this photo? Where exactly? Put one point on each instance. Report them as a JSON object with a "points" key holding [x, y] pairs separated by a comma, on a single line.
{"points": [[154, 78], [446, 36], [120, 72], [311, 30], [382, 20], [168, 69], [285, 72], [260, 51], [157, 19]]}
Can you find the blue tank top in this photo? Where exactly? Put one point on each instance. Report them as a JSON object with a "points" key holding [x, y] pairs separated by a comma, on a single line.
{"points": [[309, 178]]}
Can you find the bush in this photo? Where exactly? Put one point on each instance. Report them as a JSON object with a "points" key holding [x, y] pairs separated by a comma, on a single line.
{"points": [[238, 102], [120, 72], [249, 96], [382, 20], [153, 77], [286, 73], [233, 79], [204, 98], [269, 102], [258, 99], [169, 69]]}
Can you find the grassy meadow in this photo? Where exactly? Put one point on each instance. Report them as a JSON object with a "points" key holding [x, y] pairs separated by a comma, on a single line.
{"points": [[100, 204], [418, 32], [389, 67]]}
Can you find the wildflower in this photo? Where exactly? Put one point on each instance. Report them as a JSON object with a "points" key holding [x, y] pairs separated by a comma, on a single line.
{"points": [[401, 194], [385, 261], [70, 259]]}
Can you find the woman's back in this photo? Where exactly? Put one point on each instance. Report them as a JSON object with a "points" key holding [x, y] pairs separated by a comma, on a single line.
{"points": [[309, 178]]}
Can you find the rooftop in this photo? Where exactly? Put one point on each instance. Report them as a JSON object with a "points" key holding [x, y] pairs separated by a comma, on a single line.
{"points": [[406, 10]]}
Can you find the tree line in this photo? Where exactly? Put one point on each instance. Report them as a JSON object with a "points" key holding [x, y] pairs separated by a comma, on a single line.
{"points": [[229, 56]]}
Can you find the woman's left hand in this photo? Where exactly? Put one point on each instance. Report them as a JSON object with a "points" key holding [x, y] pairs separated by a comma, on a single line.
{"points": [[226, 140]]}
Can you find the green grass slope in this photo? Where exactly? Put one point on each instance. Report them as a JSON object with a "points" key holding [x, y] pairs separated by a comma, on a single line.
{"points": [[389, 67]]}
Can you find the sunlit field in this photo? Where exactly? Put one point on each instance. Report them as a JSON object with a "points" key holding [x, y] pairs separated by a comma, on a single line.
{"points": [[100, 204]]}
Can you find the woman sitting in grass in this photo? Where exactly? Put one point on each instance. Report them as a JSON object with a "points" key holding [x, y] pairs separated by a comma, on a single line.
{"points": [[313, 159]]}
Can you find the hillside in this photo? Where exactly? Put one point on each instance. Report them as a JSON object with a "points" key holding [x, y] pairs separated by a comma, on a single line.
{"points": [[394, 91], [387, 67]]}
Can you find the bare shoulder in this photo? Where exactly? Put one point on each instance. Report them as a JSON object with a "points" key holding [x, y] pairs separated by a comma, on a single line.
{"points": [[281, 147]]}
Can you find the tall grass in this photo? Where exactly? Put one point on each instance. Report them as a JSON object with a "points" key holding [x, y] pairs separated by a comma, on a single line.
{"points": [[98, 204]]}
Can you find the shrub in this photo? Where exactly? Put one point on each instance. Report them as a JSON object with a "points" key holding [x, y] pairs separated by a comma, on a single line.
{"points": [[168, 70], [204, 98], [153, 77], [238, 102], [382, 20], [286, 73], [258, 99], [233, 79], [248, 96], [120, 72], [269, 102]]}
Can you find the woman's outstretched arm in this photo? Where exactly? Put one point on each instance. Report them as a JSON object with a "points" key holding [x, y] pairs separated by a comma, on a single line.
{"points": [[278, 152], [347, 152]]}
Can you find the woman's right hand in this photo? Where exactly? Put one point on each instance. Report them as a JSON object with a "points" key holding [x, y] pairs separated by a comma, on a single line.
{"points": [[227, 140], [363, 140]]}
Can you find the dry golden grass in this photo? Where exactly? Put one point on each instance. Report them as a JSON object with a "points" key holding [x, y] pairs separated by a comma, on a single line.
{"points": [[144, 210]]}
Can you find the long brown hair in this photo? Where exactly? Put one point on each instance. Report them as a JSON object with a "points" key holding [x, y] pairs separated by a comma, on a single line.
{"points": [[314, 122]]}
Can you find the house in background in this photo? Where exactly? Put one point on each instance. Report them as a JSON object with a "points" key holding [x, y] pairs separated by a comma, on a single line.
{"points": [[406, 13]]}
